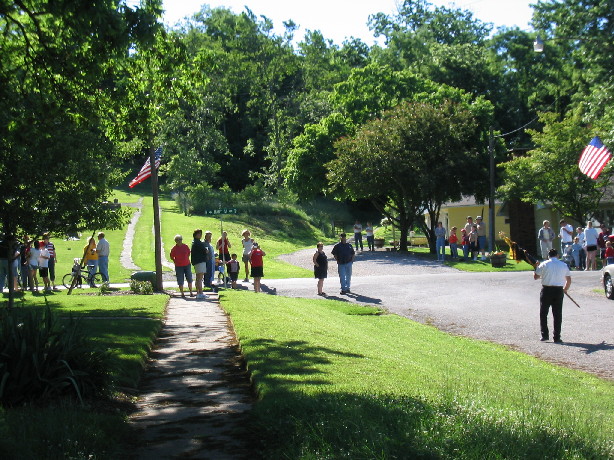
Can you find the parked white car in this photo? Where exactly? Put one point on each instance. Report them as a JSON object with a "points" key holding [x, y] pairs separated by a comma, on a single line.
{"points": [[608, 283]]}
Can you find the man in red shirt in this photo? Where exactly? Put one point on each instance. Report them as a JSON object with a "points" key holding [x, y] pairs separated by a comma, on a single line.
{"points": [[181, 257]]}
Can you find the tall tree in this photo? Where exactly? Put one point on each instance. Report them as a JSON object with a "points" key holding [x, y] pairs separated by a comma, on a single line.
{"points": [[411, 161]]}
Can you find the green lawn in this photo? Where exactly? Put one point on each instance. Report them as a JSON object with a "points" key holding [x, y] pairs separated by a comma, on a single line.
{"points": [[338, 380], [126, 327]]}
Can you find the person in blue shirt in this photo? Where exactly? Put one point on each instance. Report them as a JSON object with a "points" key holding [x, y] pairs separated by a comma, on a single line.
{"points": [[344, 254]]}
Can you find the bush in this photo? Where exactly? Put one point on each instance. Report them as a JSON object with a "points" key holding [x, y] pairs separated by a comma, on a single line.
{"points": [[42, 357], [141, 287]]}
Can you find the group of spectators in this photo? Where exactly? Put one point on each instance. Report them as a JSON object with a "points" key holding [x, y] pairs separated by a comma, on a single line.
{"points": [[472, 240], [208, 260], [582, 249], [30, 259]]}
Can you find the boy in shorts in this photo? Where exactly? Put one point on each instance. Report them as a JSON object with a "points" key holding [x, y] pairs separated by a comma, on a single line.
{"points": [[233, 270]]}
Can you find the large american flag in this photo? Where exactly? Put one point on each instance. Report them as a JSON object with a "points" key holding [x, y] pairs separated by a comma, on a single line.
{"points": [[594, 158], [145, 171]]}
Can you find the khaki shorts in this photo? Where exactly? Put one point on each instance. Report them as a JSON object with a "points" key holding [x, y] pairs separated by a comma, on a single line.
{"points": [[200, 268]]}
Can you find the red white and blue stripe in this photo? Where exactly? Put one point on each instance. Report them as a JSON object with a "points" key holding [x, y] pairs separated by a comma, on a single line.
{"points": [[594, 158], [145, 171]]}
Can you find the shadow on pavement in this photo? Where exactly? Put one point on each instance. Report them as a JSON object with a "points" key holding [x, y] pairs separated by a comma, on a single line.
{"points": [[589, 348]]}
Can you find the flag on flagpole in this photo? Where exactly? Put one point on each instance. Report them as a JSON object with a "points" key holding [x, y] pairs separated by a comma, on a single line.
{"points": [[594, 158], [145, 171]]}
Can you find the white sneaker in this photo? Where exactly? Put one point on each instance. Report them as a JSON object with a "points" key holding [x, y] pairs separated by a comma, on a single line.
{"points": [[200, 296]]}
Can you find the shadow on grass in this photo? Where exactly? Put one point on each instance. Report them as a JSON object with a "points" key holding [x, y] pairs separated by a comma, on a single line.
{"points": [[343, 425], [291, 359]]}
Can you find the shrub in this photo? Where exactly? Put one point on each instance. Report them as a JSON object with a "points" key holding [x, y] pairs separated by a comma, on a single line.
{"points": [[141, 287], [42, 357], [104, 288]]}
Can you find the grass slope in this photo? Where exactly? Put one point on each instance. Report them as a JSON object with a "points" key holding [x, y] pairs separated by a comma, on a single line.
{"points": [[338, 380]]}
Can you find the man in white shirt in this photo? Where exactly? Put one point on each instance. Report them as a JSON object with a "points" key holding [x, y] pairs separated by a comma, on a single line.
{"points": [[103, 249], [556, 280], [566, 235]]}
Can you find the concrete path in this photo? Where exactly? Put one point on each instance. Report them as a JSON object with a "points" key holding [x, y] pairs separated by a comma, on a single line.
{"points": [[195, 395], [126, 254]]}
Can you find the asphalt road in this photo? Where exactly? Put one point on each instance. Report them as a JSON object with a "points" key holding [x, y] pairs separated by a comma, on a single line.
{"points": [[501, 307]]}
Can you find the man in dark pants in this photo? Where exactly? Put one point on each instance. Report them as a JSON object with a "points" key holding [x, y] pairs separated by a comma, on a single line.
{"points": [[556, 280]]}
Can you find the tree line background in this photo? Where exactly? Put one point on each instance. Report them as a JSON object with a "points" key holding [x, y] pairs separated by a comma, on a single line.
{"points": [[88, 88]]}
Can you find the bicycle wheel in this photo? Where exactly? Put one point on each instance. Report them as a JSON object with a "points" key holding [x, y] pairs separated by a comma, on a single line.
{"points": [[67, 280]]}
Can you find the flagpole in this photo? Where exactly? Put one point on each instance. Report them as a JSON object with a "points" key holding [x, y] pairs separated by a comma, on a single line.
{"points": [[156, 209]]}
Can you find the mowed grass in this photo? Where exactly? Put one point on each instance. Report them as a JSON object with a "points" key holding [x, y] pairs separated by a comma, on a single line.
{"points": [[472, 265], [339, 380], [123, 326]]}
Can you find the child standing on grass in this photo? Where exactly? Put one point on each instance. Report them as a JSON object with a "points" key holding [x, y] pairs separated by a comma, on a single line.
{"points": [[233, 270], [320, 267], [473, 242], [255, 259], [465, 243], [576, 249], [453, 240]]}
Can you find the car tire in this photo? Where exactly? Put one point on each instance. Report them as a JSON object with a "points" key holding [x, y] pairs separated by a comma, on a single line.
{"points": [[608, 286]]}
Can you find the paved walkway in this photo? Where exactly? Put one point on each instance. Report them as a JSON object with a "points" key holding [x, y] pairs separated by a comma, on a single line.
{"points": [[195, 395]]}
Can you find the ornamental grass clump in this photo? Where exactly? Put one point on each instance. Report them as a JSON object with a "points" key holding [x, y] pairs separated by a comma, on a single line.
{"points": [[43, 358]]}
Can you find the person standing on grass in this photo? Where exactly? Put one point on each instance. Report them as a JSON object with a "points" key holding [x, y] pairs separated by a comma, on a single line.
{"points": [[199, 256], [255, 259], [33, 254], [481, 226], [43, 265], [90, 260], [440, 241], [320, 267], [358, 235], [180, 255], [104, 249], [247, 243], [580, 236], [344, 254], [52, 259], [556, 279], [453, 239], [566, 235], [222, 246]]}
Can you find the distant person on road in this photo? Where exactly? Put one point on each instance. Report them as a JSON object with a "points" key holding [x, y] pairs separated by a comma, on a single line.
{"points": [[104, 249], [370, 236], [320, 267], [180, 255], [590, 237], [556, 279], [440, 242], [255, 259], [481, 227], [247, 243], [545, 237], [234, 267], [358, 235], [199, 257], [344, 254]]}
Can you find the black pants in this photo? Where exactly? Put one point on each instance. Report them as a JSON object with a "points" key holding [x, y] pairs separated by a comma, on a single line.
{"points": [[551, 296], [358, 240]]}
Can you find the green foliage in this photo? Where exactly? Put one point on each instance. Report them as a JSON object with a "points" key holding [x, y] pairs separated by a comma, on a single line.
{"points": [[43, 358], [141, 287], [550, 173], [104, 288], [333, 384]]}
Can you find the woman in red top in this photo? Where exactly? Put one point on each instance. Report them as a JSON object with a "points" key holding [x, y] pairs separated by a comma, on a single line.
{"points": [[255, 259], [181, 256], [223, 248]]}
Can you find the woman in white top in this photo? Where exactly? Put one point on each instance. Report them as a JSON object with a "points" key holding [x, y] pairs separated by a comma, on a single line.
{"points": [[590, 238], [33, 265], [248, 243]]}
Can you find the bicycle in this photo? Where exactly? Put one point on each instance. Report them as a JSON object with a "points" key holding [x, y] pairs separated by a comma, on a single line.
{"points": [[83, 277]]}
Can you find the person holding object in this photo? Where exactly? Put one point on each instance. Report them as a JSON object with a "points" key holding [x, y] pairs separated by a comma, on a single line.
{"points": [[556, 279], [344, 254], [90, 260], [320, 267]]}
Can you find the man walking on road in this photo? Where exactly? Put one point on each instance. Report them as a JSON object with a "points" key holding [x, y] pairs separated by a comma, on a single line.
{"points": [[556, 280], [343, 252]]}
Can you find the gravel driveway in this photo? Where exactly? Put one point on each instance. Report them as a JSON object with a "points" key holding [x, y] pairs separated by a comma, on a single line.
{"points": [[501, 307]]}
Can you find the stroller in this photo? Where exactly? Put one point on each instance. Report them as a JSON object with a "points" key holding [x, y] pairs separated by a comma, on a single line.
{"points": [[568, 257]]}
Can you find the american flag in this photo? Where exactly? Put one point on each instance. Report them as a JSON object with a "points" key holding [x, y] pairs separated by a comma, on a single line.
{"points": [[594, 158], [145, 171]]}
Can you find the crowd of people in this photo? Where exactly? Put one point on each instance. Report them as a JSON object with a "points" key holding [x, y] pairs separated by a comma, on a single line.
{"points": [[581, 250], [472, 240], [208, 261]]}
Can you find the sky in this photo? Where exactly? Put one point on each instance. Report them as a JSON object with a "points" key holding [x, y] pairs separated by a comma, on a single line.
{"points": [[341, 19]]}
